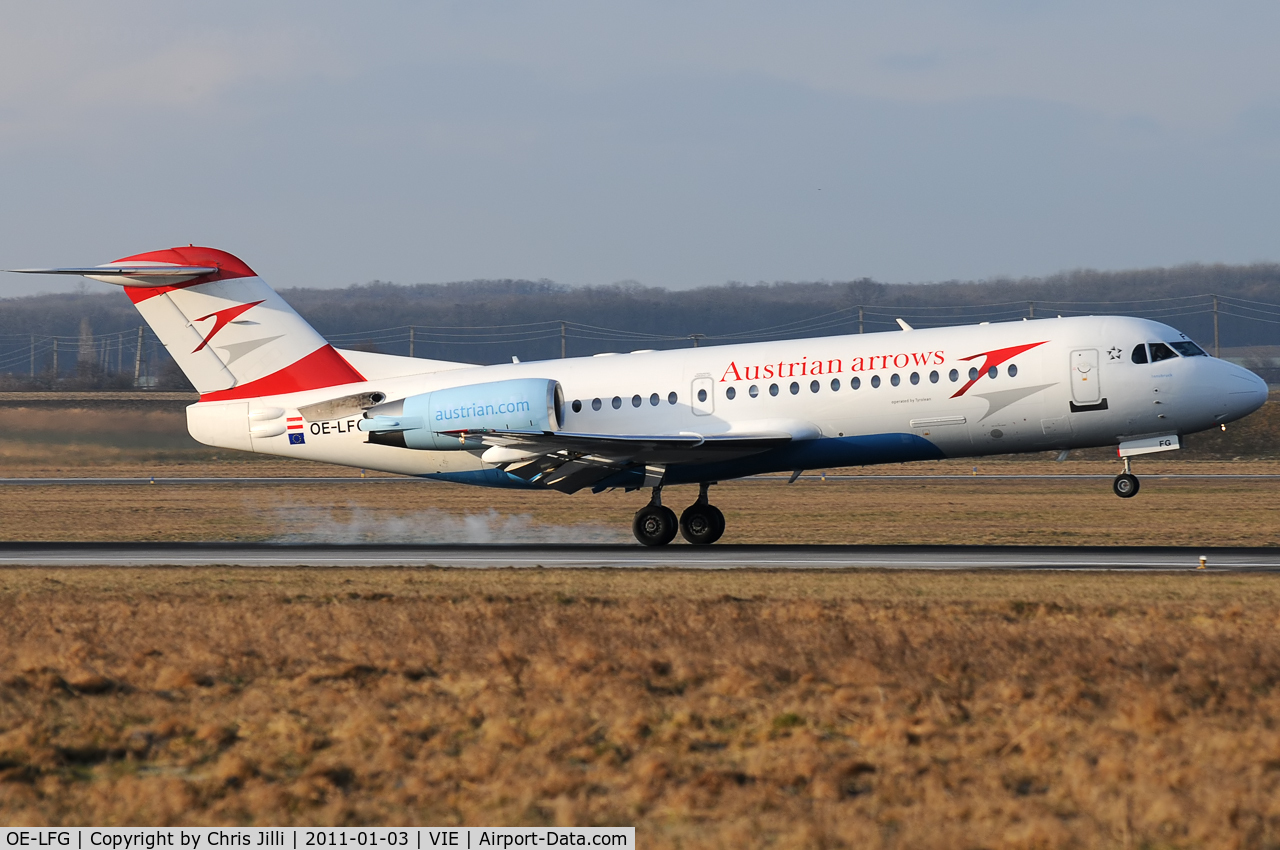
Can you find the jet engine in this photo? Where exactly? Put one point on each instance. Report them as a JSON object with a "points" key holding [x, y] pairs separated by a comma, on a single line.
{"points": [[423, 421]]}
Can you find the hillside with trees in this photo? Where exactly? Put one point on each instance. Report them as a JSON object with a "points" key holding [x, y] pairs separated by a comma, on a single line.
{"points": [[487, 321]]}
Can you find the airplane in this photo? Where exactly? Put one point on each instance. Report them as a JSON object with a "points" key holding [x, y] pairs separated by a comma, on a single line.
{"points": [[269, 383]]}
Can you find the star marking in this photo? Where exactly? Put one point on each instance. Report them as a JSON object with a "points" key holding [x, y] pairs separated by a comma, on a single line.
{"points": [[1114, 353]]}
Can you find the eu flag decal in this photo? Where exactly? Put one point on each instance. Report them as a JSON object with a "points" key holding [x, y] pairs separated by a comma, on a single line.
{"points": [[296, 439]]}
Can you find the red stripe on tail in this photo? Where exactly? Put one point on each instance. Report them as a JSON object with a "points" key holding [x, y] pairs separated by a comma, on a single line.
{"points": [[229, 267], [323, 367]]}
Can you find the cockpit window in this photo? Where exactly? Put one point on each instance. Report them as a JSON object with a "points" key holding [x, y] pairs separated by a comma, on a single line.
{"points": [[1188, 349], [1160, 351], [1140, 353]]}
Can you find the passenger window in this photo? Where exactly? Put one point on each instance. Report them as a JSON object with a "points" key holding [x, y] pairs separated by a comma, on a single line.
{"points": [[754, 391], [577, 406], [595, 404], [671, 398], [617, 402], [992, 372], [813, 386], [635, 401], [954, 376], [1188, 349], [1139, 353], [1160, 351], [702, 395], [1013, 371], [875, 381], [653, 399], [915, 378], [973, 373], [773, 389], [855, 382], [795, 388], [895, 380], [730, 393], [835, 385]]}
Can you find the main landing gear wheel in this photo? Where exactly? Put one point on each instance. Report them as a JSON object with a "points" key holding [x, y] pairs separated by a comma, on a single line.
{"points": [[1125, 485], [701, 524], [654, 525]]}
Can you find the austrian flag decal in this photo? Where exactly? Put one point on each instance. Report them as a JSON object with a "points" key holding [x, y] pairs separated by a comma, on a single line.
{"points": [[294, 428]]}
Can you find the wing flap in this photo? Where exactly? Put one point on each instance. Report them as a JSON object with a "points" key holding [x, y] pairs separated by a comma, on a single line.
{"points": [[569, 461], [685, 447]]}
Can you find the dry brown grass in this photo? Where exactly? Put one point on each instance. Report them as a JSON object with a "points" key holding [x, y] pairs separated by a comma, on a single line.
{"points": [[961, 509], [708, 709]]}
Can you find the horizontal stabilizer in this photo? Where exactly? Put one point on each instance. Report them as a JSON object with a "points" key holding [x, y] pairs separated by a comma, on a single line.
{"points": [[134, 274]]}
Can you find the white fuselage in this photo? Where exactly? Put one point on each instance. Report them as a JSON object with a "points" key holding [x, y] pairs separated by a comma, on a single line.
{"points": [[845, 400]]}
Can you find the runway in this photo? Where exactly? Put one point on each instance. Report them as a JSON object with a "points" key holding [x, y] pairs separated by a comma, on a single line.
{"points": [[755, 479], [720, 557]]}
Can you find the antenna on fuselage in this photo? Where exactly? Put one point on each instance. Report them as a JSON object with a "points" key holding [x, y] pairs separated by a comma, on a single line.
{"points": [[904, 325]]}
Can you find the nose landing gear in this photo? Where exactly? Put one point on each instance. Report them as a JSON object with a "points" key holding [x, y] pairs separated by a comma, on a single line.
{"points": [[1126, 484], [702, 523]]}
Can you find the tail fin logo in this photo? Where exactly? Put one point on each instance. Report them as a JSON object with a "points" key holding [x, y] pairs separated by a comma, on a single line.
{"points": [[222, 318]]}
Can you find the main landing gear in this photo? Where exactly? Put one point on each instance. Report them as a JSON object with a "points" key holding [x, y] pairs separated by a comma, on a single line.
{"points": [[655, 525], [702, 523], [1126, 483]]}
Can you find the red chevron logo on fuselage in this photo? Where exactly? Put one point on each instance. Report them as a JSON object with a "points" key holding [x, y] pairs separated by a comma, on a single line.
{"points": [[994, 358], [222, 318]]}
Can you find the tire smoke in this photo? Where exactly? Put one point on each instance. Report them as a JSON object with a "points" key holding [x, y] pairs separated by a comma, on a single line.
{"points": [[355, 524]]}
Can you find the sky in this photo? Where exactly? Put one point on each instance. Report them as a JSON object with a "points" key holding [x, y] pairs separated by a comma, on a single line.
{"points": [[677, 144]]}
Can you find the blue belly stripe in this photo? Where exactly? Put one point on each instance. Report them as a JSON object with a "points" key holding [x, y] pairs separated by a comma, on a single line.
{"points": [[484, 478], [825, 453]]}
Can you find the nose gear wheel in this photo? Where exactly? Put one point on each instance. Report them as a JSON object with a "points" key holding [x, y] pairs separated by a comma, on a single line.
{"points": [[1126, 484]]}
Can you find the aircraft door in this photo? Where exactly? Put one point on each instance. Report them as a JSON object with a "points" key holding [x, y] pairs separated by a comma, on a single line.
{"points": [[704, 395], [1085, 386]]}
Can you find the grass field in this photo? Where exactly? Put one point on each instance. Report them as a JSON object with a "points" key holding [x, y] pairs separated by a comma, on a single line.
{"points": [[753, 709], [958, 509], [709, 709]]}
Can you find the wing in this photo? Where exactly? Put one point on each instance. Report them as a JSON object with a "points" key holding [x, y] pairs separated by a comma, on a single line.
{"points": [[570, 461]]}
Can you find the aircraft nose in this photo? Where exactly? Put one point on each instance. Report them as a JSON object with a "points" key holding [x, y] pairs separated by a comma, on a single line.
{"points": [[1246, 392]]}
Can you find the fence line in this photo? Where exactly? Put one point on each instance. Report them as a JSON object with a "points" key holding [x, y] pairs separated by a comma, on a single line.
{"points": [[136, 354]]}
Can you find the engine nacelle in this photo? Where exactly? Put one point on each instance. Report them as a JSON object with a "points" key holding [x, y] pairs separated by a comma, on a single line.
{"points": [[417, 422]]}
